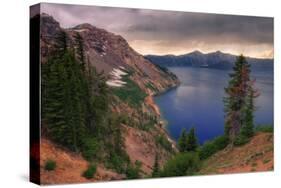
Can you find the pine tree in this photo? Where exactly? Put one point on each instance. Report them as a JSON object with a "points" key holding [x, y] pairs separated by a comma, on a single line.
{"points": [[80, 50], [75, 105], [247, 129], [191, 141], [63, 107], [182, 141], [60, 45], [239, 101], [156, 168], [97, 99]]}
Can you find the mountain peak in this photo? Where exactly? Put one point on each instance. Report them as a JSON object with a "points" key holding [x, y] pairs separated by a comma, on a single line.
{"points": [[84, 26], [196, 52], [47, 19], [218, 52]]}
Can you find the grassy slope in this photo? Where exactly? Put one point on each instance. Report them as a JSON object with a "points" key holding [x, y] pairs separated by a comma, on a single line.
{"points": [[257, 155], [130, 92]]}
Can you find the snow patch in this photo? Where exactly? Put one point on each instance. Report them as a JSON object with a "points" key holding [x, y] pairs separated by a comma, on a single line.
{"points": [[116, 77], [115, 83], [117, 73], [80, 30]]}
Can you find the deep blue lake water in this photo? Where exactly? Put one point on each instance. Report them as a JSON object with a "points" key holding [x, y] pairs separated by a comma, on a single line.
{"points": [[198, 101]]}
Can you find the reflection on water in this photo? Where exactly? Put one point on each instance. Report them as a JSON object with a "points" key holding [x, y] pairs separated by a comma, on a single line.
{"points": [[198, 101]]}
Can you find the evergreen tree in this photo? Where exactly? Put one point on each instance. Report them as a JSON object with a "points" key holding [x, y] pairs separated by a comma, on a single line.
{"points": [[156, 168], [80, 50], [63, 108], [75, 106], [182, 141], [191, 141], [97, 100], [239, 100], [247, 129], [60, 45]]}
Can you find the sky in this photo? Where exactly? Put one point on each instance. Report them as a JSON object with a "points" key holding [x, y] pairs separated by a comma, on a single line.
{"points": [[171, 32]]}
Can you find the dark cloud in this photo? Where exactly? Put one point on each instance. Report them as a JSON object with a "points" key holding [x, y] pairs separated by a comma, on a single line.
{"points": [[184, 29]]}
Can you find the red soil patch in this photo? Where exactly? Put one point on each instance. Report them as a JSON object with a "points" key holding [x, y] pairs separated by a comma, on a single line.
{"points": [[69, 166], [140, 146], [150, 102]]}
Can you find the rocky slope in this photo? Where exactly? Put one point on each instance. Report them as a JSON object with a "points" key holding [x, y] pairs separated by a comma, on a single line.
{"points": [[107, 52], [123, 68]]}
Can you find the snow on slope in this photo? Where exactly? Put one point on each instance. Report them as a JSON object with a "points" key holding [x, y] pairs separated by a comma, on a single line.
{"points": [[116, 77]]}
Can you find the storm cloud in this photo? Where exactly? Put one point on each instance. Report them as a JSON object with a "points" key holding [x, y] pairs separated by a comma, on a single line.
{"points": [[171, 32]]}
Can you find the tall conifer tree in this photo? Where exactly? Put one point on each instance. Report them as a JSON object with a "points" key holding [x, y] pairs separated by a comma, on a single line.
{"points": [[191, 141], [239, 100], [182, 141]]}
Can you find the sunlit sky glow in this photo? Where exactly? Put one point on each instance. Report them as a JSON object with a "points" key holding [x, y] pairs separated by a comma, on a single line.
{"points": [[170, 32]]}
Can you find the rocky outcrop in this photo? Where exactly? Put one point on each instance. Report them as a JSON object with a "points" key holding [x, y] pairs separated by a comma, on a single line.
{"points": [[106, 51]]}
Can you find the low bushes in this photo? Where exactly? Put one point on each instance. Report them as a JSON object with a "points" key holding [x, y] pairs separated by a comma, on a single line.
{"points": [[211, 147], [118, 161], [264, 128], [181, 164], [164, 142], [89, 148], [90, 172], [241, 140], [133, 171], [50, 165]]}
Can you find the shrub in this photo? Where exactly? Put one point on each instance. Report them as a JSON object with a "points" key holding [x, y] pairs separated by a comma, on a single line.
{"points": [[132, 172], [118, 162], [265, 128], [240, 140], [90, 148], [91, 170], [147, 126], [266, 161], [211, 147], [163, 141], [50, 165], [182, 164]]}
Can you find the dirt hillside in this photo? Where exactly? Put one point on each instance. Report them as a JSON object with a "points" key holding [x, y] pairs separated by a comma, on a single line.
{"points": [[255, 156], [69, 166]]}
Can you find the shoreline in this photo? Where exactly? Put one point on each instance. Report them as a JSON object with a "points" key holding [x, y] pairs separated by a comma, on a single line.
{"points": [[150, 102], [161, 122]]}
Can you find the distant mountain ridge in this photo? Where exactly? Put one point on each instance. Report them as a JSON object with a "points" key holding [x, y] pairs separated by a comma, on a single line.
{"points": [[218, 60]]}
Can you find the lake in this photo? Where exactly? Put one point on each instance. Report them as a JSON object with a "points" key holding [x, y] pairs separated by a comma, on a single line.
{"points": [[198, 101]]}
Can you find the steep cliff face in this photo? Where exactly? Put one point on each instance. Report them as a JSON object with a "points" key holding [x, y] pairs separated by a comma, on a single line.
{"points": [[132, 79], [107, 52]]}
